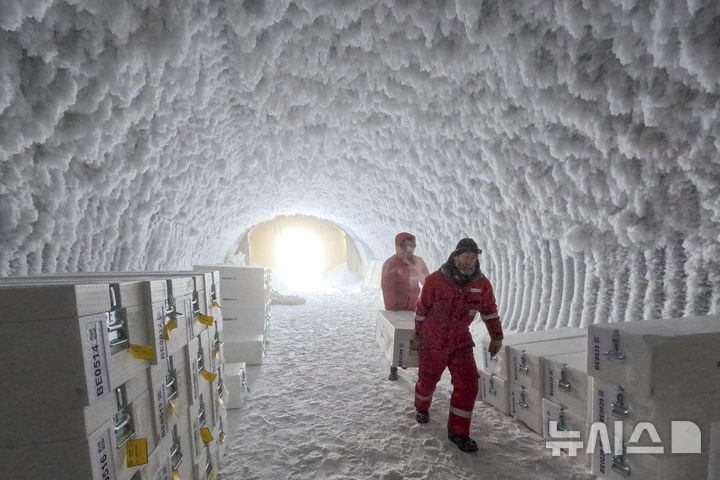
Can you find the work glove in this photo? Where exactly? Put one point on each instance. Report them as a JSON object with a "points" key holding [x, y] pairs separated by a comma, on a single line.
{"points": [[495, 346]]}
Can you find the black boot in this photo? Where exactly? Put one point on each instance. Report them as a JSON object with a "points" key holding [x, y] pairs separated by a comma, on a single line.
{"points": [[422, 416], [393, 374], [464, 443]]}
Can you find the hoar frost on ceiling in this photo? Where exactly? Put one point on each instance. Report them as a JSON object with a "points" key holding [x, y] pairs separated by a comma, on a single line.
{"points": [[576, 141]]}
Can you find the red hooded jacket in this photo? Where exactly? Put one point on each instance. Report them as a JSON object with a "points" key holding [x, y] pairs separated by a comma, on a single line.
{"points": [[400, 277], [446, 310]]}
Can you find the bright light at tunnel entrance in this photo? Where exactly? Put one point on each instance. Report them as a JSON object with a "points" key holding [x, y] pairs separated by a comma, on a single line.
{"points": [[299, 259]]}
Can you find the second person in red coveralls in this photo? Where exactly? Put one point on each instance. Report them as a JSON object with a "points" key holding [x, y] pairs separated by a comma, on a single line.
{"points": [[450, 298], [402, 275]]}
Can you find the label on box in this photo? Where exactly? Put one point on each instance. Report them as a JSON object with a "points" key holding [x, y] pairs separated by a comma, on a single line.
{"points": [[159, 323], [143, 352], [176, 475], [206, 435], [194, 378], [205, 319], [95, 360], [169, 327], [101, 459], [195, 435], [190, 323], [210, 377], [171, 408], [136, 452], [159, 405]]}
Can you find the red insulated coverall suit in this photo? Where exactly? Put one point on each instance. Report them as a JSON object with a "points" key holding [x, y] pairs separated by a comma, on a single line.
{"points": [[442, 320], [400, 278]]}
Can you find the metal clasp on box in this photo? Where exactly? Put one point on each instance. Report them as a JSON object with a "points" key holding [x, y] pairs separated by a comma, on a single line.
{"points": [[195, 303], [171, 387], [523, 363], [176, 455], [522, 401], [619, 465], [124, 429], [563, 383], [217, 342], [619, 409], [492, 389], [201, 412], [171, 309], [200, 358], [615, 352], [116, 323], [213, 292], [561, 425], [220, 387], [208, 464]]}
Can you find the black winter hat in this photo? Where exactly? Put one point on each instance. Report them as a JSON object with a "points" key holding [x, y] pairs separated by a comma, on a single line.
{"points": [[466, 245]]}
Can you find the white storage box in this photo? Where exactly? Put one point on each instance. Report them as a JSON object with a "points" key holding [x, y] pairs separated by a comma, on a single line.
{"points": [[204, 386], [205, 468], [96, 457], [526, 358], [40, 422], [66, 357], [244, 348], [611, 403], [526, 406], [138, 303], [192, 371], [235, 384], [498, 365], [495, 391], [245, 297], [31, 302], [198, 419], [566, 421], [181, 453], [174, 377], [658, 358], [566, 381], [393, 331]]}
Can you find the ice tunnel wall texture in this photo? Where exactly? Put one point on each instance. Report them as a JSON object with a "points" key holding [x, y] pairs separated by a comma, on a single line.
{"points": [[577, 141]]}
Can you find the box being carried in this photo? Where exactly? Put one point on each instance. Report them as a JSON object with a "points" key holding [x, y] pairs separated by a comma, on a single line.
{"points": [[394, 331]]}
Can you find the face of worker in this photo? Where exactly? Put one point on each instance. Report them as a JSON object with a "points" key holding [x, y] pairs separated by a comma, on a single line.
{"points": [[465, 262], [407, 247]]}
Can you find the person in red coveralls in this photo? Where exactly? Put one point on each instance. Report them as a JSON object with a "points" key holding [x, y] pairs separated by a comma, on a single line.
{"points": [[450, 298], [402, 275]]}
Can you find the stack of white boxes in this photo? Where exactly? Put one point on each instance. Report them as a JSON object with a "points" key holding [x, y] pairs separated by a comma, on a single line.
{"points": [[566, 399], [649, 379], [495, 372], [245, 300], [526, 361], [102, 371]]}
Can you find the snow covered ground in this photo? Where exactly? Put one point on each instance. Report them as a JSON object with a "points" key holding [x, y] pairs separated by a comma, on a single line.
{"points": [[321, 406]]}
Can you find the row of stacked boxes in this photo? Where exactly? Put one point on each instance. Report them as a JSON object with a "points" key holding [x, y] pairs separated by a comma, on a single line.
{"points": [[112, 376], [669, 371], [246, 308]]}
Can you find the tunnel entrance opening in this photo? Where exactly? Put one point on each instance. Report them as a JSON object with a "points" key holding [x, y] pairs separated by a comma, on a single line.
{"points": [[302, 250]]}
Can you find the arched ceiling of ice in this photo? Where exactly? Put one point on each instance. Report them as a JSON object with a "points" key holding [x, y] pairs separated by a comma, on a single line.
{"points": [[576, 141]]}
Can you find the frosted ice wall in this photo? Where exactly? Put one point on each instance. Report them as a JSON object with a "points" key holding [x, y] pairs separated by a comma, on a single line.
{"points": [[576, 141]]}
